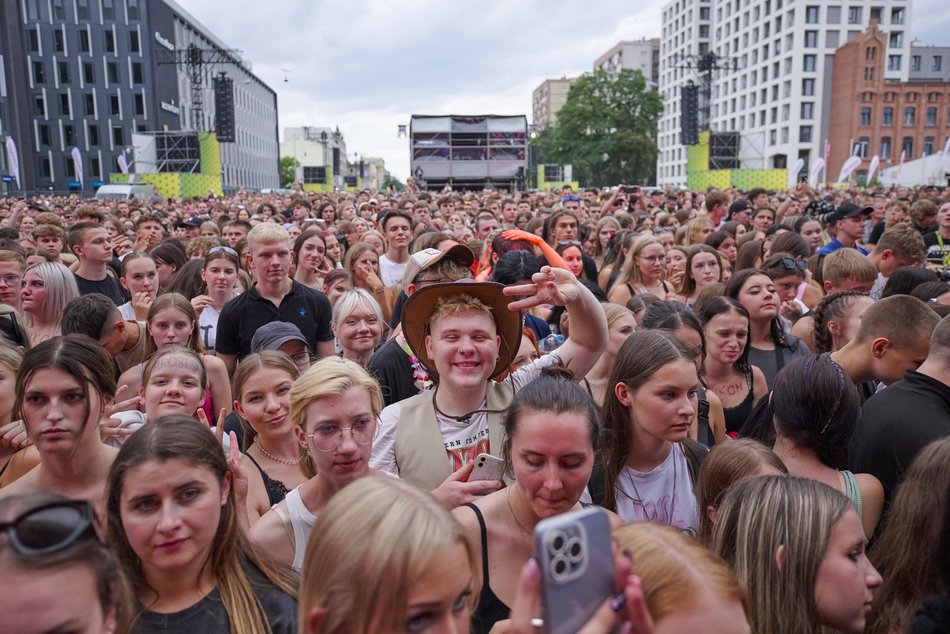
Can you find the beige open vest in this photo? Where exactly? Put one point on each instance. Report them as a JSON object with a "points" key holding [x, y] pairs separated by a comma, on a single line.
{"points": [[419, 448]]}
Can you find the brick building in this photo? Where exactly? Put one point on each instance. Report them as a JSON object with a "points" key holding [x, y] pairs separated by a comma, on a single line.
{"points": [[873, 116]]}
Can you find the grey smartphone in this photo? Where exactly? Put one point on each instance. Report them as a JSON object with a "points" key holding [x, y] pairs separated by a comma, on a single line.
{"points": [[577, 569], [487, 467]]}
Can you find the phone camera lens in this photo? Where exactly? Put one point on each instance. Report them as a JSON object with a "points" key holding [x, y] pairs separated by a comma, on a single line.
{"points": [[560, 567], [557, 543], [575, 549]]}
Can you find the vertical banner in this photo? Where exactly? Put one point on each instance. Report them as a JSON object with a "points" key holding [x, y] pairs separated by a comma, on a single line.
{"points": [[123, 164], [77, 165], [815, 171], [875, 161], [13, 159], [848, 168], [827, 157], [900, 167], [946, 152], [794, 172]]}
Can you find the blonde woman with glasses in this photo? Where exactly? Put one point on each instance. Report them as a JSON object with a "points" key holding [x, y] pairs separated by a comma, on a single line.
{"points": [[642, 272]]}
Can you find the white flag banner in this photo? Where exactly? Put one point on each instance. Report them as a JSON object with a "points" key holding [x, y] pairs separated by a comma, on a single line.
{"points": [[900, 166], [946, 152], [815, 171], [875, 161], [794, 172], [848, 168], [77, 165], [123, 164], [13, 160]]}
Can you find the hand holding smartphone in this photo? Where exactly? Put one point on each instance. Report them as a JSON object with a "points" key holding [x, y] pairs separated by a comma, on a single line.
{"points": [[487, 467]]}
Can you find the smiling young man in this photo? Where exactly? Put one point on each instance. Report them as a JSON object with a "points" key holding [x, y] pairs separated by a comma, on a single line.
{"points": [[397, 229], [90, 243], [465, 335], [848, 222], [275, 297]]}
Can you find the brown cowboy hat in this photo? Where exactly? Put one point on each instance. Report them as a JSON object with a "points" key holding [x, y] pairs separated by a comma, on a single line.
{"points": [[420, 306]]}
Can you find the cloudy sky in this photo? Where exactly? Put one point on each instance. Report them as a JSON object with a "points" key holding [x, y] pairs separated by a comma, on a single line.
{"points": [[367, 65]]}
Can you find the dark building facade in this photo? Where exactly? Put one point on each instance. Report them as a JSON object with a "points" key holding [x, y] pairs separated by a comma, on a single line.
{"points": [[90, 74]]}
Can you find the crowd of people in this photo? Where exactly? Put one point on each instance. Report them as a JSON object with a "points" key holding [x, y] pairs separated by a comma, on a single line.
{"points": [[268, 413]]}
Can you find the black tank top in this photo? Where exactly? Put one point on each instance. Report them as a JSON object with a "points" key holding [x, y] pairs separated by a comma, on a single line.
{"points": [[490, 608], [276, 490], [737, 415]]}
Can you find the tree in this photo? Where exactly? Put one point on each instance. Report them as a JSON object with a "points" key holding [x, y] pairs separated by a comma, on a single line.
{"points": [[607, 129], [288, 170], [392, 181]]}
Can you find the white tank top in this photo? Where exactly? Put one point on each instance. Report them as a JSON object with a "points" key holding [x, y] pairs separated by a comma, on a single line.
{"points": [[301, 521]]}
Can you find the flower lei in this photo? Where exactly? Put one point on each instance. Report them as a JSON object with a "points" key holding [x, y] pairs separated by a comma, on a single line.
{"points": [[419, 373]]}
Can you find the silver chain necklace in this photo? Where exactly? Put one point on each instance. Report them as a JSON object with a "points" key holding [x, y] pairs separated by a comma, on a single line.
{"points": [[639, 499]]}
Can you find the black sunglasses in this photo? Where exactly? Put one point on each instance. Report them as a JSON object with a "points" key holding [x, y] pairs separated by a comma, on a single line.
{"points": [[791, 263], [51, 527]]}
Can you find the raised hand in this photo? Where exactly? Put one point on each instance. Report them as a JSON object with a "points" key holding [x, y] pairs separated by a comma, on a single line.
{"points": [[550, 286]]}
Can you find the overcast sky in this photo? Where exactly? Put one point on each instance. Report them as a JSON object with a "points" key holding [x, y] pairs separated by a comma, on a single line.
{"points": [[367, 65]]}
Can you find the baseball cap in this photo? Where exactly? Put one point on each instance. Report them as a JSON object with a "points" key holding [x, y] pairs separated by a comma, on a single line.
{"points": [[273, 335], [849, 210], [193, 223], [740, 205], [427, 258]]}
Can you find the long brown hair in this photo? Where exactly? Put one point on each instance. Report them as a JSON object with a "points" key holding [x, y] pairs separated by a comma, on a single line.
{"points": [[904, 553], [180, 303], [178, 437], [639, 358]]}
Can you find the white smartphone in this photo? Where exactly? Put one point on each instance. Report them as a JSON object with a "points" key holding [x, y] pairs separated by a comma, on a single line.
{"points": [[577, 569], [487, 467]]}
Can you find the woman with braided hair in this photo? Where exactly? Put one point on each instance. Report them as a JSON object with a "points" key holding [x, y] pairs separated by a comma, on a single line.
{"points": [[815, 407], [837, 319]]}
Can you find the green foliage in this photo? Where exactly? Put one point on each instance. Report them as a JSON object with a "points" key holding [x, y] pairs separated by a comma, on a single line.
{"points": [[606, 130], [288, 170], [392, 181]]}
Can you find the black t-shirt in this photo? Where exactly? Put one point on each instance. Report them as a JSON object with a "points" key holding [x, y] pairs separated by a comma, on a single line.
{"points": [[391, 368], [937, 253], [208, 616], [109, 287], [242, 316], [896, 424]]}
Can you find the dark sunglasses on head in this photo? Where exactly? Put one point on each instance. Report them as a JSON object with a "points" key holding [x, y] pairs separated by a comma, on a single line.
{"points": [[791, 263], [51, 527]]}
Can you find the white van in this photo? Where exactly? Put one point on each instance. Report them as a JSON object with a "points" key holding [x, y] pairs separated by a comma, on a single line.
{"points": [[125, 191]]}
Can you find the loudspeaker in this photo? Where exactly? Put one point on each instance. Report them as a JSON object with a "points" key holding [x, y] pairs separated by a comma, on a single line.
{"points": [[224, 108], [689, 114]]}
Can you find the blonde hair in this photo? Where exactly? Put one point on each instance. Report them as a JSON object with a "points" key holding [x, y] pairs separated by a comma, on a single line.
{"points": [[352, 300], [246, 368], [759, 515], [61, 288], [630, 273], [694, 230], [401, 530], [461, 303], [678, 572], [614, 312], [266, 232], [331, 376]]}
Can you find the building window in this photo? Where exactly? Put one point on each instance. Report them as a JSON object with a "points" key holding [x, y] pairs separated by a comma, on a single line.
{"points": [[118, 136], [139, 104], [45, 169], [134, 42], [808, 110], [811, 39], [40, 105], [93, 134], [854, 15], [937, 63], [84, 41], [34, 36], [108, 10], [911, 96], [808, 87], [862, 146], [63, 68], [132, 9], [64, 106], [95, 170], [110, 41], [44, 135], [865, 117], [931, 120], [896, 40], [809, 63], [59, 10], [137, 73], [59, 40], [82, 9], [88, 73], [910, 116], [112, 72], [69, 136], [804, 134], [893, 62], [897, 15], [115, 107], [907, 147], [39, 76], [90, 100], [915, 63], [885, 147], [928, 145], [811, 15], [887, 116]]}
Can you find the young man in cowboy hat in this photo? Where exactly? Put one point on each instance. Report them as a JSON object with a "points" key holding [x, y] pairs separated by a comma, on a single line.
{"points": [[465, 334]]}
